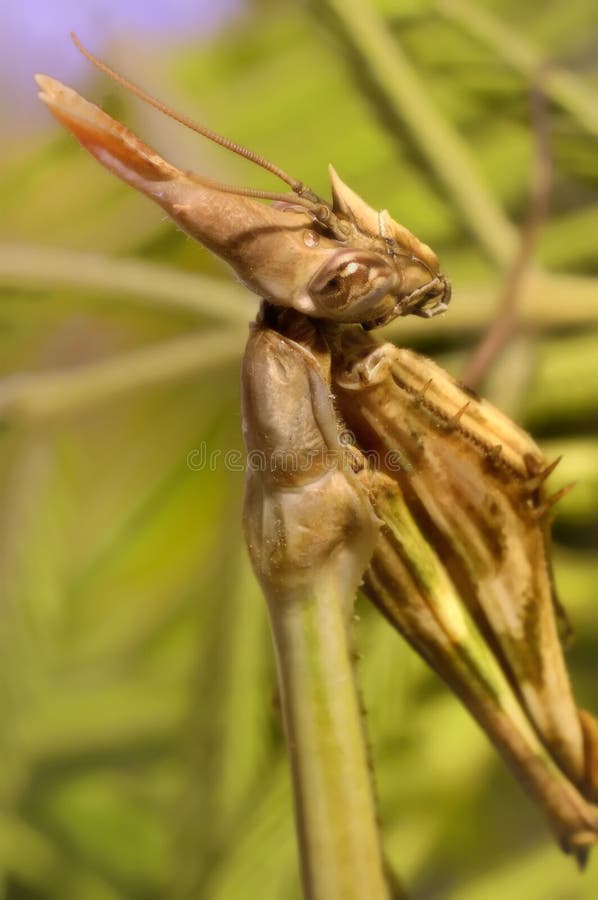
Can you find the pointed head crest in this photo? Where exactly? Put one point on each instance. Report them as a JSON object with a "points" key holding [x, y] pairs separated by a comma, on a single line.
{"points": [[420, 288]]}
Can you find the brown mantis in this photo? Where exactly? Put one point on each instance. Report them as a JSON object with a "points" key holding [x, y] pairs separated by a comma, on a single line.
{"points": [[438, 500]]}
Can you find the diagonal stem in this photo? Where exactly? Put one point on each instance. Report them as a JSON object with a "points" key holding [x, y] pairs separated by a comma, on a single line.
{"points": [[47, 268], [563, 87], [439, 143], [506, 323]]}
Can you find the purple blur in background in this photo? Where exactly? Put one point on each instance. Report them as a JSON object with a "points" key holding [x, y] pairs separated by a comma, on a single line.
{"points": [[34, 37]]}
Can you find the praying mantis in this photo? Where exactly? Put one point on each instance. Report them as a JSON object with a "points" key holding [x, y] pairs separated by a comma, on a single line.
{"points": [[381, 469]]}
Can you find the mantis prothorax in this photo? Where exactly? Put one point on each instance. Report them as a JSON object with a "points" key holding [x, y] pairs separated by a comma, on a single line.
{"points": [[460, 532]]}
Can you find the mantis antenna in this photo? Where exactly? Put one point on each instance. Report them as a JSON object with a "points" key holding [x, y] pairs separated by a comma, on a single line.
{"points": [[304, 196]]}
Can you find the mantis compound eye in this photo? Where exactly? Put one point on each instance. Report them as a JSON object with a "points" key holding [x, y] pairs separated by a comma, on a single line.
{"points": [[353, 286]]}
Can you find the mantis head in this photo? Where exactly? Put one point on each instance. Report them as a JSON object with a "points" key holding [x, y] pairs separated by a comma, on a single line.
{"points": [[342, 261]]}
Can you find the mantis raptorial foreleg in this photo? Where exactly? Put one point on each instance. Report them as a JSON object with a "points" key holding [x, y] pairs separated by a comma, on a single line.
{"points": [[463, 561]]}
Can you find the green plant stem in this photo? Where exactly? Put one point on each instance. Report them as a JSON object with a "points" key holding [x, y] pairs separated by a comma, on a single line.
{"points": [[46, 268], [444, 149], [561, 86], [335, 813]]}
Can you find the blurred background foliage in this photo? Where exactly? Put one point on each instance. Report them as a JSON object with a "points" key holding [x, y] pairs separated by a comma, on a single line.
{"points": [[141, 748]]}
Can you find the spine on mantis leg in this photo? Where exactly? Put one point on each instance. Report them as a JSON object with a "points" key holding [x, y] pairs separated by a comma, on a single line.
{"points": [[471, 483]]}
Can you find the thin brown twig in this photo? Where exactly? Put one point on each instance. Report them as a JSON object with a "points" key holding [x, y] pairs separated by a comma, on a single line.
{"points": [[507, 321]]}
